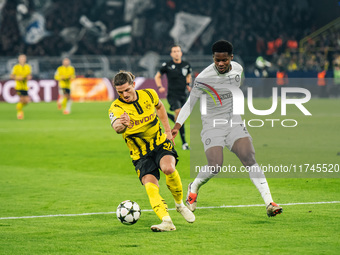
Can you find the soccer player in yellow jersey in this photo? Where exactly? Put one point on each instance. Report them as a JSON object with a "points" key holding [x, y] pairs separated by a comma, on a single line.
{"points": [[136, 114], [64, 74], [21, 73]]}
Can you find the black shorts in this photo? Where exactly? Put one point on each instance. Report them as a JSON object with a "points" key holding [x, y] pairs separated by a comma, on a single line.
{"points": [[66, 91], [176, 102], [22, 92], [149, 163]]}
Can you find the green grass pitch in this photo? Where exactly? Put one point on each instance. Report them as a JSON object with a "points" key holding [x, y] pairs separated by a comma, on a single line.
{"points": [[51, 164]]}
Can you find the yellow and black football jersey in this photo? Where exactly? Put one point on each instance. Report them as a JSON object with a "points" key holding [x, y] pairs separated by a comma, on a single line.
{"points": [[68, 73], [24, 71], [144, 132]]}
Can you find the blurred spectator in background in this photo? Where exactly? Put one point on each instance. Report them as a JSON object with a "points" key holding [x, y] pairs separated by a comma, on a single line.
{"points": [[257, 28], [64, 74], [21, 73], [261, 67], [336, 73]]}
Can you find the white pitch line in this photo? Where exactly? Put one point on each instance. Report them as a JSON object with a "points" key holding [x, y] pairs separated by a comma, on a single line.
{"points": [[171, 209]]}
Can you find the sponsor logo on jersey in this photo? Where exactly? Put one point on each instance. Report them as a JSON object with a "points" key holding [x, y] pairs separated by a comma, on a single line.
{"points": [[227, 95], [142, 121]]}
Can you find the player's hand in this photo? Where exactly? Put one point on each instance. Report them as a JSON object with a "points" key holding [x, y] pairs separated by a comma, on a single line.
{"points": [[125, 119], [170, 137], [174, 133], [175, 130], [161, 90]]}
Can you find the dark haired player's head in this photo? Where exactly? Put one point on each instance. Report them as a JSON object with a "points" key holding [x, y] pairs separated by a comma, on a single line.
{"points": [[22, 59], [123, 77], [222, 54], [222, 46], [174, 46], [176, 53]]}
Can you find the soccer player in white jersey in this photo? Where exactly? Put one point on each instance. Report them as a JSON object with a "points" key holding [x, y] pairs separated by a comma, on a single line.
{"points": [[220, 78]]}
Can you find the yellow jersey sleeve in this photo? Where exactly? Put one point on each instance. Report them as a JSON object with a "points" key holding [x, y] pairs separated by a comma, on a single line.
{"points": [[29, 70], [14, 70], [115, 112], [57, 74], [73, 73]]}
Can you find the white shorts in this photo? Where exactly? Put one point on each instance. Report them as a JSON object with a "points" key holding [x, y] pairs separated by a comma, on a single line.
{"points": [[224, 135]]}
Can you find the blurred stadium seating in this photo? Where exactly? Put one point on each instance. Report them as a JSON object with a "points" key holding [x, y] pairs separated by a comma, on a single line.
{"points": [[86, 30]]}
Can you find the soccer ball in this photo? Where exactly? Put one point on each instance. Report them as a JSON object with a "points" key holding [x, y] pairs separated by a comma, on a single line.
{"points": [[128, 212]]}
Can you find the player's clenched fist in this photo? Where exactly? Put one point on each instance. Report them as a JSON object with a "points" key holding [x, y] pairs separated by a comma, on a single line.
{"points": [[125, 119]]}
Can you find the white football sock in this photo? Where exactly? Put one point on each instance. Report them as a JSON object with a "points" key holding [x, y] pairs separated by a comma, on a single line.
{"points": [[202, 178], [259, 179], [179, 205], [68, 105]]}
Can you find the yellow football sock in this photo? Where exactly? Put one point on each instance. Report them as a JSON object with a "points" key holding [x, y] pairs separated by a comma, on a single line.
{"points": [[20, 106], [157, 202], [64, 102], [174, 183]]}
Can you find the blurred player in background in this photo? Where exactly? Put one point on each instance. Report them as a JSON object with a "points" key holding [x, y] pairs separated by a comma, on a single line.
{"points": [[64, 74], [135, 115], [21, 73], [218, 77], [178, 73]]}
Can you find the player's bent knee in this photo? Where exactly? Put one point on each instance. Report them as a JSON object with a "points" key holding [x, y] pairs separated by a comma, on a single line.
{"points": [[168, 169], [149, 178], [168, 164]]}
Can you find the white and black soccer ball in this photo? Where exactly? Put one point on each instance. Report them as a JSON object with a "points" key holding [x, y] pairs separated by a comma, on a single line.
{"points": [[128, 212]]}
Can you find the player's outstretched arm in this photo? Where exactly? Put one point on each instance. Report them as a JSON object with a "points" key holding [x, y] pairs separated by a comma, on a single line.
{"points": [[163, 116]]}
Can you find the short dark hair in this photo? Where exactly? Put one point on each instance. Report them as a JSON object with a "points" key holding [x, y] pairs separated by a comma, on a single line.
{"points": [[123, 77], [175, 45], [222, 46]]}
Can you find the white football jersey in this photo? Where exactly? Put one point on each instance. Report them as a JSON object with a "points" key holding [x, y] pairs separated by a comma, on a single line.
{"points": [[213, 90]]}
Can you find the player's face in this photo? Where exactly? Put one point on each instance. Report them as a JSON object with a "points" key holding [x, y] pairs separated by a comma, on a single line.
{"points": [[127, 92], [176, 53], [22, 59], [222, 61], [66, 62]]}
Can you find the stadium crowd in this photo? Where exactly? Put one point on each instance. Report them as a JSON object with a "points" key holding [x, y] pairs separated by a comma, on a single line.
{"points": [[256, 27]]}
